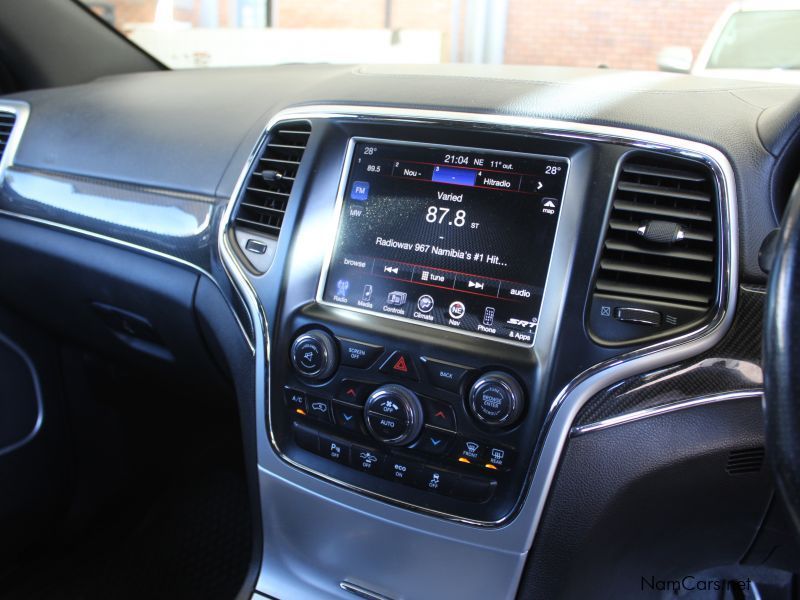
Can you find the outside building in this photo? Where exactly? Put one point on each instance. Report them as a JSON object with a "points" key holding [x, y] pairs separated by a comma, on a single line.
{"points": [[626, 34]]}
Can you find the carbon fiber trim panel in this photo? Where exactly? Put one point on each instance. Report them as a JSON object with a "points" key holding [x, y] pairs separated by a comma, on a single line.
{"points": [[733, 365]]}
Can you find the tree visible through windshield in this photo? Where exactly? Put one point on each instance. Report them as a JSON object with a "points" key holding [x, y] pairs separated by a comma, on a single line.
{"points": [[215, 33]]}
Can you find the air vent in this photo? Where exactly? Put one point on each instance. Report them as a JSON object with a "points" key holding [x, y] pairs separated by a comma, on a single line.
{"points": [[6, 125], [747, 460], [264, 199], [661, 238], [659, 261]]}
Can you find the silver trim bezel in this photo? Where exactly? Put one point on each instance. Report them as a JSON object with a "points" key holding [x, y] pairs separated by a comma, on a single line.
{"points": [[21, 110], [663, 409], [567, 403], [333, 236]]}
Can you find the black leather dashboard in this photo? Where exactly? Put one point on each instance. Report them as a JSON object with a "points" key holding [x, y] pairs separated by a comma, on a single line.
{"points": [[191, 131]]}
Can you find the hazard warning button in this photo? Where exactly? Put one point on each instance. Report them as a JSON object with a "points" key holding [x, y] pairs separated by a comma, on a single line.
{"points": [[401, 365]]}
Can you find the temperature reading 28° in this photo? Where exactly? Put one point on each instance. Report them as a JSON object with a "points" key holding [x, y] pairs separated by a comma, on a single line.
{"points": [[552, 170]]}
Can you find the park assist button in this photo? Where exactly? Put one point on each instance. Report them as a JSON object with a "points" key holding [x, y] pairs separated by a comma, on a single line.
{"points": [[446, 376], [358, 354], [401, 365]]}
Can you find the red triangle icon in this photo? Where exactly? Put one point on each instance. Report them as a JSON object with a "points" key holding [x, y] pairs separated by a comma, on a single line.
{"points": [[401, 365]]}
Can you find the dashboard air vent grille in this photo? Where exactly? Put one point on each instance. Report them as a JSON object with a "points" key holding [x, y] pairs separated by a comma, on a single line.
{"points": [[6, 125], [263, 202], [748, 460], [661, 240]]}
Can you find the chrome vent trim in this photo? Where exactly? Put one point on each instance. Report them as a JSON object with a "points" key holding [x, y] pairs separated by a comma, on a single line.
{"points": [[13, 118], [661, 243], [269, 185]]}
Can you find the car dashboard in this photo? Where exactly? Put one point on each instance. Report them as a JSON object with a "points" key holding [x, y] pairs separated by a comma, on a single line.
{"points": [[463, 308]]}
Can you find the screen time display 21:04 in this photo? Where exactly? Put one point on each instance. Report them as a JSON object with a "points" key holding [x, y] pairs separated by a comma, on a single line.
{"points": [[452, 237]]}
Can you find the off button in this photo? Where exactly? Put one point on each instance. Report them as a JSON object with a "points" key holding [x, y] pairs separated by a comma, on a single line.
{"points": [[358, 354]]}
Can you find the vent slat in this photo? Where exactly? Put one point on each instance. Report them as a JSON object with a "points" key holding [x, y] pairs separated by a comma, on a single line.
{"points": [[667, 192], [662, 211], [692, 255], [263, 202], [653, 293], [275, 211], [677, 196], [747, 460], [279, 160], [662, 172], [653, 271], [7, 121], [250, 188]]}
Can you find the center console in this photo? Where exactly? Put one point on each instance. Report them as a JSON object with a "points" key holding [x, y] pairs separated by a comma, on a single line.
{"points": [[407, 372], [425, 328]]}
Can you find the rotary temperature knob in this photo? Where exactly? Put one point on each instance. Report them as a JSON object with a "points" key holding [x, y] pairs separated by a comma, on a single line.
{"points": [[393, 415], [313, 355], [496, 399]]}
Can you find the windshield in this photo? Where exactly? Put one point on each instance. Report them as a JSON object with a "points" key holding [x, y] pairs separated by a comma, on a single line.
{"points": [[615, 34], [759, 40]]}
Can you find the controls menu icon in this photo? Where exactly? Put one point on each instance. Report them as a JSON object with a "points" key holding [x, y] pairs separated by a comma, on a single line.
{"points": [[396, 298]]}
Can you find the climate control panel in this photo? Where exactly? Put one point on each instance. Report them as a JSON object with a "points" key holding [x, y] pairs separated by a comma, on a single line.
{"points": [[406, 426]]}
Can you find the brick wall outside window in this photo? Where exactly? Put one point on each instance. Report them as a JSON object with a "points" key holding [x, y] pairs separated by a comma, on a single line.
{"points": [[625, 34]]}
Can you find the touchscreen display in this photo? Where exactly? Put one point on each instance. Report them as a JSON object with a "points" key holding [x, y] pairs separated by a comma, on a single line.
{"points": [[453, 237]]}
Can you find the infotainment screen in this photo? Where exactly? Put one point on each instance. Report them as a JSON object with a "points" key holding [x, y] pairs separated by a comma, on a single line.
{"points": [[452, 237]]}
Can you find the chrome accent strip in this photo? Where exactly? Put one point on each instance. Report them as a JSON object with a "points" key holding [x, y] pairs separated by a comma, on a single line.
{"points": [[37, 391], [336, 223], [507, 545], [361, 592], [663, 409], [21, 110]]}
